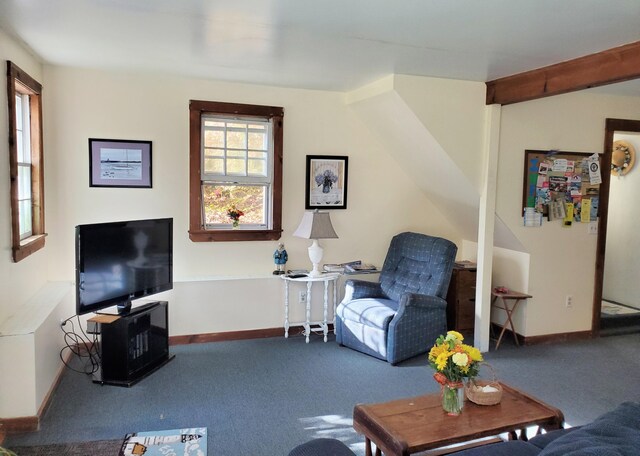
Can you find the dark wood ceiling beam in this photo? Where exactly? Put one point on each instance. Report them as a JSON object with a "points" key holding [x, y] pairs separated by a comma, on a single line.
{"points": [[607, 67]]}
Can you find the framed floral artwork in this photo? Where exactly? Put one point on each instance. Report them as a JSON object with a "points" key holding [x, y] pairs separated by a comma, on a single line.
{"points": [[326, 180]]}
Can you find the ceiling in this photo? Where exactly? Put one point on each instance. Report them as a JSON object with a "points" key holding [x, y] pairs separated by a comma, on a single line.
{"points": [[328, 45]]}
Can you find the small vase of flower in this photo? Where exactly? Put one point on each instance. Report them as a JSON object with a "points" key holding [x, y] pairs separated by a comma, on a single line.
{"points": [[453, 362], [234, 214]]}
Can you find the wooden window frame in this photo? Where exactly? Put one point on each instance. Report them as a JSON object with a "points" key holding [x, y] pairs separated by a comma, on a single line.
{"points": [[197, 232], [18, 81]]}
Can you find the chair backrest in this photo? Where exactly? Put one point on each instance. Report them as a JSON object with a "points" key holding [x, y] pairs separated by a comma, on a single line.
{"points": [[417, 263]]}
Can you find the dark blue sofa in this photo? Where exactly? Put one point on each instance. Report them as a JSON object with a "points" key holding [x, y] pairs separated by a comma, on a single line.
{"points": [[616, 433]]}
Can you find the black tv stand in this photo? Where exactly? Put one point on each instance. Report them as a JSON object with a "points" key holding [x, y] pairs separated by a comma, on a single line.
{"points": [[134, 345]]}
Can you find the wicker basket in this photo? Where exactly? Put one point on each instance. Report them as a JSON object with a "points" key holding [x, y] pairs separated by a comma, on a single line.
{"points": [[475, 393]]}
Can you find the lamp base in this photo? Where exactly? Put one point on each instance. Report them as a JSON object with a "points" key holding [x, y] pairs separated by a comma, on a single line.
{"points": [[315, 255]]}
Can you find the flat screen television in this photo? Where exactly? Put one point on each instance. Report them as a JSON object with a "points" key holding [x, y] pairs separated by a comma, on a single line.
{"points": [[118, 262]]}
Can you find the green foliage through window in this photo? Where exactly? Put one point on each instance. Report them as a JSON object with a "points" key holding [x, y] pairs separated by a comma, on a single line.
{"points": [[250, 199]]}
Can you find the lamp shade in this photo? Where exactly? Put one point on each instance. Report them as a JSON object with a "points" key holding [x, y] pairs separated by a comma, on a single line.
{"points": [[316, 225]]}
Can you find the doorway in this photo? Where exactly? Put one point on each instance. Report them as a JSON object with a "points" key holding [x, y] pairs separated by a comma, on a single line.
{"points": [[614, 305]]}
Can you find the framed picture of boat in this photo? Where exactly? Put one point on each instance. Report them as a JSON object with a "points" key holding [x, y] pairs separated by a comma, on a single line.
{"points": [[119, 163]]}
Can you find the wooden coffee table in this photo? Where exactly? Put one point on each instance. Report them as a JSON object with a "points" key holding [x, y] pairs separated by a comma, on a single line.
{"points": [[417, 424]]}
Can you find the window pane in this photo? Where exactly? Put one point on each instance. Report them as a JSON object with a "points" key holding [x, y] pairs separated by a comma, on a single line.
{"points": [[236, 139], [20, 147], [213, 138], [234, 153], [257, 168], [258, 155], [236, 167], [213, 123], [24, 182], [214, 153], [257, 141], [24, 208], [19, 112], [250, 199], [214, 166]]}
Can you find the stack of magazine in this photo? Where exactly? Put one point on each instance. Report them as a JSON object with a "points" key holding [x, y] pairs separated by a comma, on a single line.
{"points": [[364, 267], [350, 267], [466, 264]]}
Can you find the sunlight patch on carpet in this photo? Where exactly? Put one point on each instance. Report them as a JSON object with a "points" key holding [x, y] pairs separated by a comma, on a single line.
{"points": [[611, 308]]}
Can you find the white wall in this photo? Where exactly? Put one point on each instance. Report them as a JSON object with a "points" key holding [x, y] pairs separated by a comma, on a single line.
{"points": [[454, 113], [18, 281], [622, 262], [30, 344], [219, 286], [30, 337], [228, 286], [562, 259]]}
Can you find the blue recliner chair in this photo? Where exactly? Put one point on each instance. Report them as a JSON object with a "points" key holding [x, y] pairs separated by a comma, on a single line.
{"points": [[402, 315]]}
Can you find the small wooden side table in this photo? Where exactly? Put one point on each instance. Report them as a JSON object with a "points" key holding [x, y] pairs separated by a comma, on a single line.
{"points": [[510, 300]]}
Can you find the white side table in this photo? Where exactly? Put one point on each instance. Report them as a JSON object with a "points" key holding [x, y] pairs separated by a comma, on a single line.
{"points": [[324, 278]]}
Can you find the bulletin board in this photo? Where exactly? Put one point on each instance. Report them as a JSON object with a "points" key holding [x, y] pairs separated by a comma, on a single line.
{"points": [[561, 185]]}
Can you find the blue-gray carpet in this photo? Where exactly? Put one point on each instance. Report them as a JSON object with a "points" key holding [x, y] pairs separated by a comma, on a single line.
{"points": [[265, 396]]}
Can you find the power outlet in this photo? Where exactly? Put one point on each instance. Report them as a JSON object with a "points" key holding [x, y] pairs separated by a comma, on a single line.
{"points": [[302, 297], [568, 301]]}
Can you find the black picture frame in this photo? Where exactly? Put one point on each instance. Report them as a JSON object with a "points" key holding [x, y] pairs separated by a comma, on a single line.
{"points": [[326, 182], [120, 163]]}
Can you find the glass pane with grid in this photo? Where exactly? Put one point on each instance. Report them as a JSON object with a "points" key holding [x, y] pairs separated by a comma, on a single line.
{"points": [[235, 148], [252, 200]]}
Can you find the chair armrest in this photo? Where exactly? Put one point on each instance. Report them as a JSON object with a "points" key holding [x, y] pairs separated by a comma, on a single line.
{"points": [[356, 289], [422, 301]]}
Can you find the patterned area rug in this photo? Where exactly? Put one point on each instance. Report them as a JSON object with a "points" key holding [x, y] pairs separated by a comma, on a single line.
{"points": [[97, 448]]}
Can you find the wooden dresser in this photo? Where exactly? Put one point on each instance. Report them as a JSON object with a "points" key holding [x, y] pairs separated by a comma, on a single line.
{"points": [[461, 300]]}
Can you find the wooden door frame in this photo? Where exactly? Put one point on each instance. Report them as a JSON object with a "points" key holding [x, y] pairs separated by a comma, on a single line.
{"points": [[611, 126]]}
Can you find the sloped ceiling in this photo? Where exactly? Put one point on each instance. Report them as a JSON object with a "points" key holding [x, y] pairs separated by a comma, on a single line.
{"points": [[412, 145]]}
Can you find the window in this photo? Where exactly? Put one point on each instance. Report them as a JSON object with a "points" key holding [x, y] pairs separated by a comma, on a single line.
{"points": [[25, 163], [235, 162]]}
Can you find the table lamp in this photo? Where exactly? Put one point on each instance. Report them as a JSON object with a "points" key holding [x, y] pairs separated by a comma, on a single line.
{"points": [[315, 225]]}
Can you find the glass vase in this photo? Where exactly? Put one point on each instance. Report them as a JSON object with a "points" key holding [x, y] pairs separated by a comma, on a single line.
{"points": [[235, 224], [453, 398]]}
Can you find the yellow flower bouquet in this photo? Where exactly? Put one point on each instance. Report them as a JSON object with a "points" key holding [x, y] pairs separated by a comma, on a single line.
{"points": [[453, 362]]}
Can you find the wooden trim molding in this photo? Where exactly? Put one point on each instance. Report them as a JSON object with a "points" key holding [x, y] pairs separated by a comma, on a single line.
{"points": [[18, 81], [235, 235], [557, 338], [611, 127], [607, 67], [19, 425], [197, 232], [236, 335], [545, 338]]}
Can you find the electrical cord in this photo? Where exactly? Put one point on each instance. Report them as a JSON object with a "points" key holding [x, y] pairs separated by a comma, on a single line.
{"points": [[80, 346]]}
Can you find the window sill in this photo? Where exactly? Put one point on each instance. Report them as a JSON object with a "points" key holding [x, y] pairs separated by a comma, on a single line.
{"points": [[234, 235], [28, 246]]}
